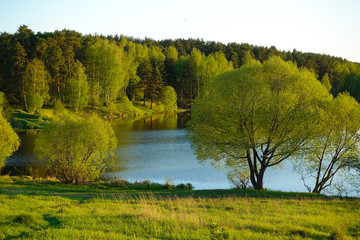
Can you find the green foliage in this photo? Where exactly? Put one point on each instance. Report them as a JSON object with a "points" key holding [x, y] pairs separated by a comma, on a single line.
{"points": [[2, 102], [4, 106], [325, 81], [59, 51], [59, 108], [34, 102], [9, 140], [257, 116], [107, 66], [239, 177], [24, 219], [335, 151], [171, 54], [126, 108], [78, 93], [112, 63], [77, 150], [169, 98], [216, 232], [248, 58], [35, 85]]}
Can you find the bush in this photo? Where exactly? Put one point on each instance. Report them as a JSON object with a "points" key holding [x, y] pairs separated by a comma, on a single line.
{"points": [[77, 150], [24, 219], [187, 186], [216, 232], [59, 108], [34, 102], [125, 107], [169, 183], [239, 178], [169, 98]]}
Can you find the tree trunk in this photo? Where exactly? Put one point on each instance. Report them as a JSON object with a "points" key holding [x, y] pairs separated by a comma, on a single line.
{"points": [[256, 175], [316, 190], [257, 181], [26, 106], [181, 94]]}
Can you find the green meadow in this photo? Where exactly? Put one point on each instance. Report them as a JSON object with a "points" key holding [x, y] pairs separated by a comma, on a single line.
{"points": [[39, 209]]}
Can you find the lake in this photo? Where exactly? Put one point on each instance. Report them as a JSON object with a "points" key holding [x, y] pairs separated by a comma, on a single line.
{"points": [[157, 148]]}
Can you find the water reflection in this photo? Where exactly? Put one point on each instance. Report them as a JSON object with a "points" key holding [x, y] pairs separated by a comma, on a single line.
{"points": [[23, 161], [157, 147]]}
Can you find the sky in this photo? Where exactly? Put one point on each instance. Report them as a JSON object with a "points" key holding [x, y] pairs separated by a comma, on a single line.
{"points": [[321, 26]]}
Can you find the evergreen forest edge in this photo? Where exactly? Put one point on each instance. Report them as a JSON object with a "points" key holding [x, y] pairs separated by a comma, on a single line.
{"points": [[145, 67]]}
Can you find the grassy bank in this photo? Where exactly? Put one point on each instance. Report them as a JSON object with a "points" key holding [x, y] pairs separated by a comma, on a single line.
{"points": [[51, 210], [124, 110]]}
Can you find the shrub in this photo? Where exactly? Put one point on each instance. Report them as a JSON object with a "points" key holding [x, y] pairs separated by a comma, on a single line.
{"points": [[77, 150], [59, 108], [239, 178], [169, 98], [34, 102]]}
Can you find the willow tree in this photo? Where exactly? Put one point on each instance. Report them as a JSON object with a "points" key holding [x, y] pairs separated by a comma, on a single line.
{"points": [[334, 152], [76, 150], [257, 116]]}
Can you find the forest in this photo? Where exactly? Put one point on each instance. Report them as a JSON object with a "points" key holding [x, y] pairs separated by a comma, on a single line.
{"points": [[37, 69]]}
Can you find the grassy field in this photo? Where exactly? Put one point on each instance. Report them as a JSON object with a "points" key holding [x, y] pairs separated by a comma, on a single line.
{"points": [[51, 210]]}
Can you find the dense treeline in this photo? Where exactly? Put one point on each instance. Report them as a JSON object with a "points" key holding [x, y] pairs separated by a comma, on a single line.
{"points": [[81, 70]]}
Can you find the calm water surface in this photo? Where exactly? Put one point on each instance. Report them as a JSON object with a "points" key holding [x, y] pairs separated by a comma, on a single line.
{"points": [[155, 149]]}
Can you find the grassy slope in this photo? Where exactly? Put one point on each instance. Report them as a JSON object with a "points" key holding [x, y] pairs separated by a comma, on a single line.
{"points": [[123, 110], [51, 210]]}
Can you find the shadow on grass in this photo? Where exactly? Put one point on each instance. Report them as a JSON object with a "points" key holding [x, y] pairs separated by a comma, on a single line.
{"points": [[53, 221], [108, 190]]}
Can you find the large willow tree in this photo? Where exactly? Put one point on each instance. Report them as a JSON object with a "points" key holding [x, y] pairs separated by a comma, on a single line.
{"points": [[257, 116]]}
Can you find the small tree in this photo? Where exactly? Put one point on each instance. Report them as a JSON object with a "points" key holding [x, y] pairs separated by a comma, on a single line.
{"points": [[35, 81], [78, 89], [169, 98], [325, 81], [77, 150], [239, 177], [336, 149]]}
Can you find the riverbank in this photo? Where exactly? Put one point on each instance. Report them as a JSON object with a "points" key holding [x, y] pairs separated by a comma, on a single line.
{"points": [[52, 210], [123, 111]]}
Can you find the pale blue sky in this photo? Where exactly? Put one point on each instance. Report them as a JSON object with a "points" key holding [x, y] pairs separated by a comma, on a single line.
{"points": [[321, 26]]}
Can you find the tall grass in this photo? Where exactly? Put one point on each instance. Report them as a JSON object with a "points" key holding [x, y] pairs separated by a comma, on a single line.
{"points": [[151, 216]]}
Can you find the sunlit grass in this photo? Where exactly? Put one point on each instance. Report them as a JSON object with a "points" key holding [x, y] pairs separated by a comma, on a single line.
{"points": [[119, 214], [123, 110]]}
